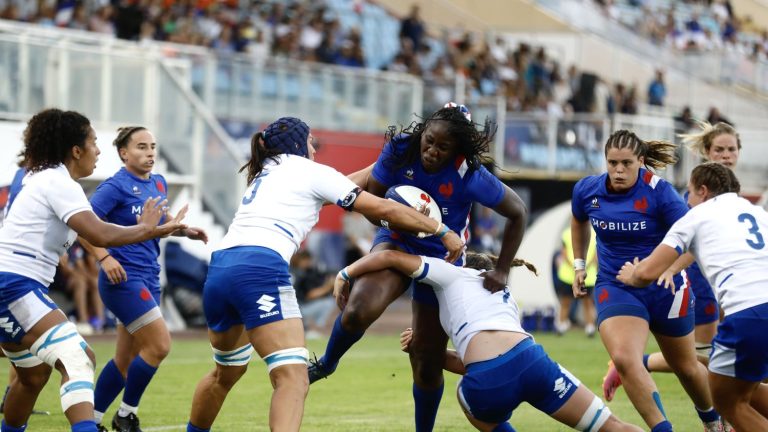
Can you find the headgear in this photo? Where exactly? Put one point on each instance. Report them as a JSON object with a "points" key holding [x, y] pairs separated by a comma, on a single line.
{"points": [[288, 135]]}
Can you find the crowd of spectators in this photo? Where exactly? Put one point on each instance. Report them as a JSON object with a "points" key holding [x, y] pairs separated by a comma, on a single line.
{"points": [[528, 77], [692, 25]]}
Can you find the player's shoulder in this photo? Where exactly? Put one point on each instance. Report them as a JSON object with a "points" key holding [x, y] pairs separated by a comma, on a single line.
{"points": [[590, 184], [653, 182]]}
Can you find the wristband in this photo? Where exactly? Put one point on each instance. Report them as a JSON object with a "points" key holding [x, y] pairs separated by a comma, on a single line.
{"points": [[442, 230], [105, 257], [579, 264], [344, 275]]}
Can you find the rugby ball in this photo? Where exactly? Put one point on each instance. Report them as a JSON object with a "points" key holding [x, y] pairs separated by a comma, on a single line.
{"points": [[416, 198]]}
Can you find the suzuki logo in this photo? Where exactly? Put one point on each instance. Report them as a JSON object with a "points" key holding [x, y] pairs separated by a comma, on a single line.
{"points": [[265, 303]]}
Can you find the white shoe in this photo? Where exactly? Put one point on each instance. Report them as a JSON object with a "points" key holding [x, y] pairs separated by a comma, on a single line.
{"points": [[85, 329], [590, 329]]}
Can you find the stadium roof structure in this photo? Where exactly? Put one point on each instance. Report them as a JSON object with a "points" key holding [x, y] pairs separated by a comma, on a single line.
{"points": [[481, 16]]}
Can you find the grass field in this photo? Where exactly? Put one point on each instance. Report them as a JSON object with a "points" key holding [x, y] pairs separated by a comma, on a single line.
{"points": [[371, 391]]}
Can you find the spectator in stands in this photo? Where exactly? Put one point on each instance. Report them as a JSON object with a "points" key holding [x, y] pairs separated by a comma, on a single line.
{"points": [[412, 28], [657, 91], [313, 292], [715, 117], [684, 121], [485, 232]]}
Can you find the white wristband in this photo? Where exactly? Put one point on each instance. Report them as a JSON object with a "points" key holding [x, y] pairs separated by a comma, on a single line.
{"points": [[343, 274], [579, 264]]}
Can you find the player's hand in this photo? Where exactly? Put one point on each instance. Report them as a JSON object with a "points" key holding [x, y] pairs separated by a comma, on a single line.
{"points": [[114, 271], [579, 287], [341, 291], [405, 339], [455, 246], [194, 233], [667, 279], [495, 280], [627, 272], [172, 225]]}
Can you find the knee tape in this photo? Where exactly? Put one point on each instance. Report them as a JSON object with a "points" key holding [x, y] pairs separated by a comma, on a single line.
{"points": [[237, 357], [287, 356], [703, 349], [64, 344], [594, 417], [23, 359]]}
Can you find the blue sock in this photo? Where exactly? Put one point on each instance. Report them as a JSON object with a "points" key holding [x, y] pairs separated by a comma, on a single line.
{"points": [[664, 426], [503, 427], [427, 402], [85, 426], [108, 386], [140, 373], [5, 428], [709, 415], [339, 343], [645, 361], [193, 428]]}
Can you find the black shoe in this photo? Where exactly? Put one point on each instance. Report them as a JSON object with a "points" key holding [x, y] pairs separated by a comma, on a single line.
{"points": [[316, 370], [126, 424], [100, 428]]}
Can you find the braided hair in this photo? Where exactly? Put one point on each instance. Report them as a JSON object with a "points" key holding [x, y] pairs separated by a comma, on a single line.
{"points": [[485, 261], [50, 136], [657, 153], [473, 143], [718, 178], [124, 135]]}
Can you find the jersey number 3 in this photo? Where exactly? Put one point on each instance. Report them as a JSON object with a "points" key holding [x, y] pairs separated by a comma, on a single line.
{"points": [[758, 243], [249, 199]]}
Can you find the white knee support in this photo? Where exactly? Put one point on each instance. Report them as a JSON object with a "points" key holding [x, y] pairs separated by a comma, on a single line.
{"points": [[594, 417], [23, 359], [237, 357], [287, 356], [64, 344]]}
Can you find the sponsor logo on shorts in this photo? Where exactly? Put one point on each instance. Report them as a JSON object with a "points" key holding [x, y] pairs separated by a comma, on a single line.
{"points": [[266, 303], [8, 327], [561, 387]]}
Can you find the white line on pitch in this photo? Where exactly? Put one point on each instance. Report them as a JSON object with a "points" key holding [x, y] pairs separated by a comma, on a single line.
{"points": [[164, 428]]}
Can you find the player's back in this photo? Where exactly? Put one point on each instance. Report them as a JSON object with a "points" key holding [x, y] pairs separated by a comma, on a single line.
{"points": [[729, 243], [283, 203], [466, 307]]}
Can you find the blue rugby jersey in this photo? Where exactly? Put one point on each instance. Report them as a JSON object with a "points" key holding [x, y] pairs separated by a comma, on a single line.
{"points": [[454, 188], [627, 225], [119, 199]]}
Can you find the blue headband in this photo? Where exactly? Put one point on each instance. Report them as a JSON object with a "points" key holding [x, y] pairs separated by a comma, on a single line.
{"points": [[288, 135]]}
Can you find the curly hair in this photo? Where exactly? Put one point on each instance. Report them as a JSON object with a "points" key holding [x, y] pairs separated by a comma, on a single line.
{"points": [[124, 135], [473, 143], [718, 178], [700, 142], [486, 261], [50, 136], [658, 154]]}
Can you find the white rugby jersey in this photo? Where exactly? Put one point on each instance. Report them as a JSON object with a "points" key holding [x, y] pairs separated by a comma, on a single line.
{"points": [[727, 235], [281, 206], [35, 233], [467, 308]]}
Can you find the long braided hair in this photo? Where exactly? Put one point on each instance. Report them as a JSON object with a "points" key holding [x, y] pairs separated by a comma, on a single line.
{"points": [[473, 142]]}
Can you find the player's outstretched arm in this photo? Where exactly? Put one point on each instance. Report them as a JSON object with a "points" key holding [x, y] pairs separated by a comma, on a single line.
{"points": [[103, 234], [400, 261], [403, 218], [580, 243], [642, 273]]}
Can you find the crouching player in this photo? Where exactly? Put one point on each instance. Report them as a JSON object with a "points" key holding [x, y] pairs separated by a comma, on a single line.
{"points": [[504, 366]]}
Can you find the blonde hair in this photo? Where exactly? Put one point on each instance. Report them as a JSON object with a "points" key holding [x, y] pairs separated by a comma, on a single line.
{"points": [[700, 142]]}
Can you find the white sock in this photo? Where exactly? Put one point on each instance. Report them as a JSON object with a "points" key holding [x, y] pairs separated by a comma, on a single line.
{"points": [[98, 416], [126, 409]]}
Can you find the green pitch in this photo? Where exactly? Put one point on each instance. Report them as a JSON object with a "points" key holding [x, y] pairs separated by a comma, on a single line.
{"points": [[371, 391]]}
